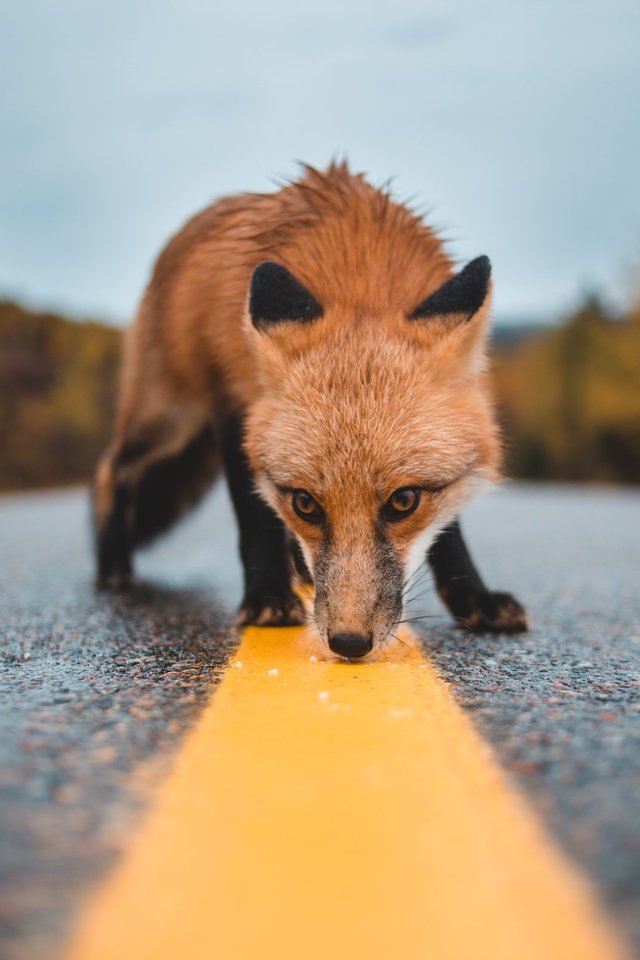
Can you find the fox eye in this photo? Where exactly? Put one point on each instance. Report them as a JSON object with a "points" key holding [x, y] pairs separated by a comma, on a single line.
{"points": [[306, 507], [401, 503]]}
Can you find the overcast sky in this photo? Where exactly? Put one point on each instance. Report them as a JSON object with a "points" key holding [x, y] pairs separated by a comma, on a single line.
{"points": [[516, 124]]}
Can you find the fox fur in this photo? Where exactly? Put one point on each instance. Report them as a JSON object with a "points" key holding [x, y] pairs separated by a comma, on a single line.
{"points": [[315, 340]]}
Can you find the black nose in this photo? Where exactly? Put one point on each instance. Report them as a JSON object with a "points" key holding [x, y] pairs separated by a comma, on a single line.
{"points": [[350, 644]]}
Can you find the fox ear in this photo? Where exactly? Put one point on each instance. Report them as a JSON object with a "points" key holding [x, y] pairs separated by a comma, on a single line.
{"points": [[276, 296], [461, 296]]}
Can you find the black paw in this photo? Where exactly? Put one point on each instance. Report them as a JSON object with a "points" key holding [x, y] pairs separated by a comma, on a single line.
{"points": [[496, 613], [118, 582], [488, 612], [264, 611]]}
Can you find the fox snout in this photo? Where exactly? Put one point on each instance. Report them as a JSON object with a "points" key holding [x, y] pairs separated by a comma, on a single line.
{"points": [[358, 598], [350, 645]]}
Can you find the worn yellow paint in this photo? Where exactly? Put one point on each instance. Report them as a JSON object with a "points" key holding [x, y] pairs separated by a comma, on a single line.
{"points": [[326, 810]]}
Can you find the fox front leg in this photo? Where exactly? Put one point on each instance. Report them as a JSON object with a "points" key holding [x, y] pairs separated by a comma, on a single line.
{"points": [[264, 550], [111, 501], [462, 590]]}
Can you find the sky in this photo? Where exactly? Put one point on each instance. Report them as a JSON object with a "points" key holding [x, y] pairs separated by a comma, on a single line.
{"points": [[515, 124]]}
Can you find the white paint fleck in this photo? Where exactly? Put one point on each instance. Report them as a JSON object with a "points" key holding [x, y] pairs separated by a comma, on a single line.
{"points": [[273, 672], [313, 659], [238, 664], [323, 696], [399, 712]]}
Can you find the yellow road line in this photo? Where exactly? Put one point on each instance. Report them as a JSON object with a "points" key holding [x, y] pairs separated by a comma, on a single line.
{"points": [[324, 810]]}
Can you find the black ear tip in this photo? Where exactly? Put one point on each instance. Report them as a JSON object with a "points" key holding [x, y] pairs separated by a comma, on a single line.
{"points": [[267, 270], [276, 296], [480, 268], [266, 275], [463, 294]]}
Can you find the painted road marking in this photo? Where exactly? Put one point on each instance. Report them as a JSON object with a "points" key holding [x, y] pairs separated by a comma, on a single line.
{"points": [[325, 810]]}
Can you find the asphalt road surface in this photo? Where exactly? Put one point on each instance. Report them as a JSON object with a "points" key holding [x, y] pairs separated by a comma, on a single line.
{"points": [[96, 690]]}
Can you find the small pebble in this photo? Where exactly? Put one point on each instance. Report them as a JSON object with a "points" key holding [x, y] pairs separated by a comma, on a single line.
{"points": [[273, 672], [313, 659], [238, 664]]}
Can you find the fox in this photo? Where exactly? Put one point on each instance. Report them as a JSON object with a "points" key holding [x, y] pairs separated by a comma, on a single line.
{"points": [[316, 346]]}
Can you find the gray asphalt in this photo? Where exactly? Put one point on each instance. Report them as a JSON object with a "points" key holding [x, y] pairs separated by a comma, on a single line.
{"points": [[97, 690]]}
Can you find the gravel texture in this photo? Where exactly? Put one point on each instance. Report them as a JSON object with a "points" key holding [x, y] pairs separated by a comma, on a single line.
{"points": [[97, 689], [561, 704]]}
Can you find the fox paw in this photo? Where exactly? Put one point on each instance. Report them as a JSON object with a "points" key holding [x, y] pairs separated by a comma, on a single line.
{"points": [[490, 612], [271, 612], [118, 582]]}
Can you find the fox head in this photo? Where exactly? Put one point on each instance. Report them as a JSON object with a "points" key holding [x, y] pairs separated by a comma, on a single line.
{"points": [[369, 434]]}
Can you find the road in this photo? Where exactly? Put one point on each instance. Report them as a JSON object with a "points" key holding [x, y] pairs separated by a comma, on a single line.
{"points": [[98, 690]]}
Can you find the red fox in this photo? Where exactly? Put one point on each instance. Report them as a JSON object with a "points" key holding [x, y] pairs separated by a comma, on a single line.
{"points": [[316, 345]]}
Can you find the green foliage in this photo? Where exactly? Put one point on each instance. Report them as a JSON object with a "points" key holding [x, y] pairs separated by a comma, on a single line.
{"points": [[57, 391], [570, 399]]}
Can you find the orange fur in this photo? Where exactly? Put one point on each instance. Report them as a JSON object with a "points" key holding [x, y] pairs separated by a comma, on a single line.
{"points": [[350, 407]]}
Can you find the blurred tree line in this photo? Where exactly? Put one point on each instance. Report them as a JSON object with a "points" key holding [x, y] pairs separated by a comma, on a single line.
{"points": [[57, 387], [568, 396]]}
